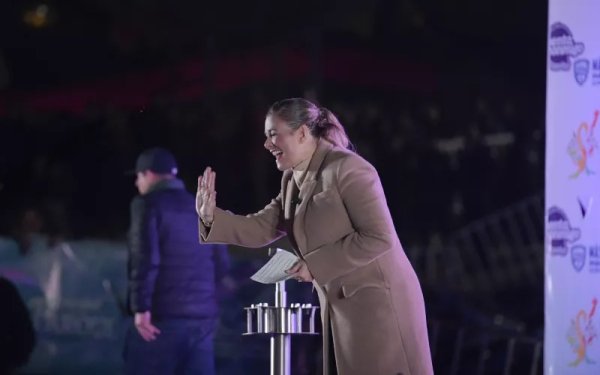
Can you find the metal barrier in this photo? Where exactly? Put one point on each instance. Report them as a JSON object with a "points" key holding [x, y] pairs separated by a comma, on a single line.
{"points": [[458, 349], [499, 251]]}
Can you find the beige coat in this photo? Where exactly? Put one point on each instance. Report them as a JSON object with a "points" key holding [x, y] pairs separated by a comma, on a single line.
{"points": [[369, 293]]}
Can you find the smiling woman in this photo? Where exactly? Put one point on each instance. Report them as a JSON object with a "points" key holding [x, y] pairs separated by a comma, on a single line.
{"points": [[293, 128], [283, 143], [334, 212]]}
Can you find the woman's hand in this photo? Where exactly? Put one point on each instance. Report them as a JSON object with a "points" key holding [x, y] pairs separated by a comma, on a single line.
{"points": [[206, 196], [299, 271]]}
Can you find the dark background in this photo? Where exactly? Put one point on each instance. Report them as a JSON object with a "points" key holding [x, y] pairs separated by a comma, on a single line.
{"points": [[446, 99]]}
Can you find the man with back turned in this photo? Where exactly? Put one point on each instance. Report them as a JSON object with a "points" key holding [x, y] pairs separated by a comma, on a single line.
{"points": [[172, 278]]}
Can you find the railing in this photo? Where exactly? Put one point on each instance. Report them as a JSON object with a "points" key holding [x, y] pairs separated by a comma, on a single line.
{"points": [[497, 252], [458, 349]]}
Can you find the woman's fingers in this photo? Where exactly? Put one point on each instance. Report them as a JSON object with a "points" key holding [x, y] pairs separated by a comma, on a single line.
{"points": [[201, 193], [207, 181], [300, 272], [211, 180], [295, 268], [205, 177]]}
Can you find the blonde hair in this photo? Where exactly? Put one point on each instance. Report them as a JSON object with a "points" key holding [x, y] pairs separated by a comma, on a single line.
{"points": [[321, 121]]}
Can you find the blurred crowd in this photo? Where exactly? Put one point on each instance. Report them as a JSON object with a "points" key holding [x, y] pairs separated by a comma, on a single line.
{"points": [[445, 158], [433, 97]]}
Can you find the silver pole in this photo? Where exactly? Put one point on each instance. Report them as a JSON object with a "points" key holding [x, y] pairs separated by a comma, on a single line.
{"points": [[280, 342]]}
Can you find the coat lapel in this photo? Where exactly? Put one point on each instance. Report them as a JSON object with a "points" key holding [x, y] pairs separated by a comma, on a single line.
{"points": [[287, 188], [306, 191]]}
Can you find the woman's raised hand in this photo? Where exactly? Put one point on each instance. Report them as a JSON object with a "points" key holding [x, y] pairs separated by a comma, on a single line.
{"points": [[206, 196]]}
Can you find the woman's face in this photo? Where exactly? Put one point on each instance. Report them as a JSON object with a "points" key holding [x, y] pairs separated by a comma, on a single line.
{"points": [[284, 143]]}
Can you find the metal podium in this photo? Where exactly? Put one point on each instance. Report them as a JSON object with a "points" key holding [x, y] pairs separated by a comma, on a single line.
{"points": [[281, 322]]}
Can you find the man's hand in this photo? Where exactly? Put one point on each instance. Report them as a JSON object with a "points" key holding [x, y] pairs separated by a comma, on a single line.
{"points": [[144, 326]]}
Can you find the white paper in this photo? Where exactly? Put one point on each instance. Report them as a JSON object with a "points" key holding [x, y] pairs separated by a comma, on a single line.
{"points": [[273, 270]]}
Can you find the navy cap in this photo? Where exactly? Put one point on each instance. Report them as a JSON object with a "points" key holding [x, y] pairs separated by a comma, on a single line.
{"points": [[157, 160]]}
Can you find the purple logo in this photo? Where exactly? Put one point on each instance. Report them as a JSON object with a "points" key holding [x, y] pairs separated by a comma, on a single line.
{"points": [[596, 71], [578, 257], [560, 232], [581, 69], [562, 47], [584, 207], [595, 259]]}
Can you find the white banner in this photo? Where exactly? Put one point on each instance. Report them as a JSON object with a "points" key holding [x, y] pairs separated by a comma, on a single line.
{"points": [[572, 253]]}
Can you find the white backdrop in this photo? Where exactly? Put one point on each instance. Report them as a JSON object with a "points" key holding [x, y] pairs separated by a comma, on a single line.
{"points": [[572, 251]]}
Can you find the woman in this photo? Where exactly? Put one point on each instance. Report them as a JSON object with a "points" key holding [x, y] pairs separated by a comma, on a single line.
{"points": [[333, 209]]}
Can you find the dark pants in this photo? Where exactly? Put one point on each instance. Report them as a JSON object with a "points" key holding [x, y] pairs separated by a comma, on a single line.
{"points": [[184, 346]]}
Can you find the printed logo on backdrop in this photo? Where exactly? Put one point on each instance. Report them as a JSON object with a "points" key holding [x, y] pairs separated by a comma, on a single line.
{"points": [[596, 71], [594, 255], [580, 253], [585, 205], [562, 47], [563, 240], [578, 257], [581, 70], [581, 147], [560, 232], [582, 335]]}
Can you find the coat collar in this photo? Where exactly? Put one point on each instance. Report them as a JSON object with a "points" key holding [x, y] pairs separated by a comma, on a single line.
{"points": [[323, 148], [312, 172], [306, 190], [314, 167]]}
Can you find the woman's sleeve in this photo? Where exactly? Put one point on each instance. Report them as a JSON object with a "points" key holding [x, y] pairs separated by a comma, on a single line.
{"points": [[374, 233], [256, 230]]}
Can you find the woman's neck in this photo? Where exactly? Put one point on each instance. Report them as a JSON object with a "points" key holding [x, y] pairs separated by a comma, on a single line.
{"points": [[299, 170]]}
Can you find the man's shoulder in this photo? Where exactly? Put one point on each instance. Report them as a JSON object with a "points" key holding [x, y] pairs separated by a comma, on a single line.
{"points": [[149, 199], [164, 199], [166, 194]]}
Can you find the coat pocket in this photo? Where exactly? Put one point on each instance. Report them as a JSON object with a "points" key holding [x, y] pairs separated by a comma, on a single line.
{"points": [[349, 290], [324, 196]]}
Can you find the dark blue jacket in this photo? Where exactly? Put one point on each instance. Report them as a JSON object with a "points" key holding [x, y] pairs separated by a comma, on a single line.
{"points": [[170, 273]]}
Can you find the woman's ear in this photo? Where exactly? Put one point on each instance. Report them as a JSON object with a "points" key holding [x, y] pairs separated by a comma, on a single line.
{"points": [[304, 132]]}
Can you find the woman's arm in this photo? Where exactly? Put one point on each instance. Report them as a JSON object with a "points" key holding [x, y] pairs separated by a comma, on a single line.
{"points": [[256, 230], [218, 226]]}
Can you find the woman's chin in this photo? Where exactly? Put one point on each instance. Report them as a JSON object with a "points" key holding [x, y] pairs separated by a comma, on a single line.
{"points": [[280, 167]]}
